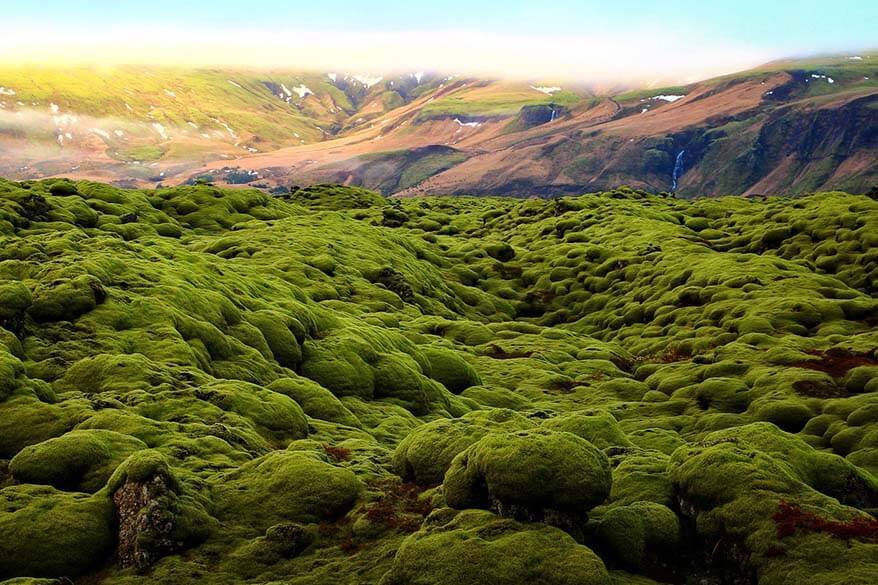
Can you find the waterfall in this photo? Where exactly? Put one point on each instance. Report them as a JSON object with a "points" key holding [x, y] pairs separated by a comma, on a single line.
{"points": [[554, 113], [678, 170]]}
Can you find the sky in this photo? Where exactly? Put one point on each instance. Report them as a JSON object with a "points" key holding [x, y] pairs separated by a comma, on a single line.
{"points": [[582, 40]]}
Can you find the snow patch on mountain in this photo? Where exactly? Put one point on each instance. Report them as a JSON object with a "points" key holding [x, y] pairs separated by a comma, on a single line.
{"points": [[5, 91], [368, 80], [546, 89], [302, 90], [160, 129], [227, 127], [669, 98], [235, 84]]}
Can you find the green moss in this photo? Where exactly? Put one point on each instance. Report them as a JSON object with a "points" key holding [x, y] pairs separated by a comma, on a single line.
{"points": [[15, 298], [286, 486], [639, 532], [67, 299], [451, 370], [426, 453], [602, 430], [315, 400], [81, 460], [642, 477], [339, 369], [789, 415], [283, 357], [278, 330], [274, 414], [26, 421], [533, 470], [477, 547], [48, 533]]}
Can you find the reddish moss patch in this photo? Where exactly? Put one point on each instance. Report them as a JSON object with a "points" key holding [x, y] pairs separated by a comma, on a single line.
{"points": [[337, 453], [836, 362], [399, 507], [790, 519], [498, 353]]}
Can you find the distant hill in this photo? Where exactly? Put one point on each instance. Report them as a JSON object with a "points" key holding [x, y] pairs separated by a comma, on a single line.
{"points": [[788, 127]]}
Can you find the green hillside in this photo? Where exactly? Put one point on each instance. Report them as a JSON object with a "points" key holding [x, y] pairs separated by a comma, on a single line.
{"points": [[201, 385]]}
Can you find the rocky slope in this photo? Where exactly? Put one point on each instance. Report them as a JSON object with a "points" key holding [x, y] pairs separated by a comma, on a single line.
{"points": [[217, 386]]}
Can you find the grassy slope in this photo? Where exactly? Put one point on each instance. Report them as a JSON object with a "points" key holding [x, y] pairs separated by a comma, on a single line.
{"points": [[286, 360], [207, 98], [494, 100]]}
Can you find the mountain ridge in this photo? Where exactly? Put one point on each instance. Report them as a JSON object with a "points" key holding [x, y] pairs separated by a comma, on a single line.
{"points": [[786, 127]]}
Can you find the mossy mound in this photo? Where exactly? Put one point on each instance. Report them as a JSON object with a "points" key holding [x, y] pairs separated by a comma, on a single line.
{"points": [[475, 547], [451, 370], [529, 472], [336, 197], [48, 533], [67, 299], [746, 501], [427, 452], [642, 531], [286, 486], [315, 400], [602, 430], [81, 460]]}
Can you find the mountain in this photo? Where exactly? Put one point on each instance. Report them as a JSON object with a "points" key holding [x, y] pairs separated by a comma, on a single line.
{"points": [[787, 127], [206, 386]]}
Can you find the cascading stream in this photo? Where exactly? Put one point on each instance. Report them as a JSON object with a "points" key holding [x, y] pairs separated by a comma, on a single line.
{"points": [[678, 169]]}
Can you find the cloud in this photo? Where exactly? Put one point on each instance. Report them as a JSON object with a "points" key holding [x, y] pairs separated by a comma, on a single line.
{"points": [[594, 56]]}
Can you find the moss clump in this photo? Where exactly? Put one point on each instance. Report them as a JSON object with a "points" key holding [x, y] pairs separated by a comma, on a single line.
{"points": [[640, 533], [315, 400], [27, 421], [602, 429], [278, 331], [273, 414], [451, 370], [530, 471], [642, 476], [398, 378], [475, 547], [789, 415], [81, 460], [280, 542], [427, 452], [336, 197], [15, 298], [286, 486], [67, 299], [48, 533], [340, 369]]}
